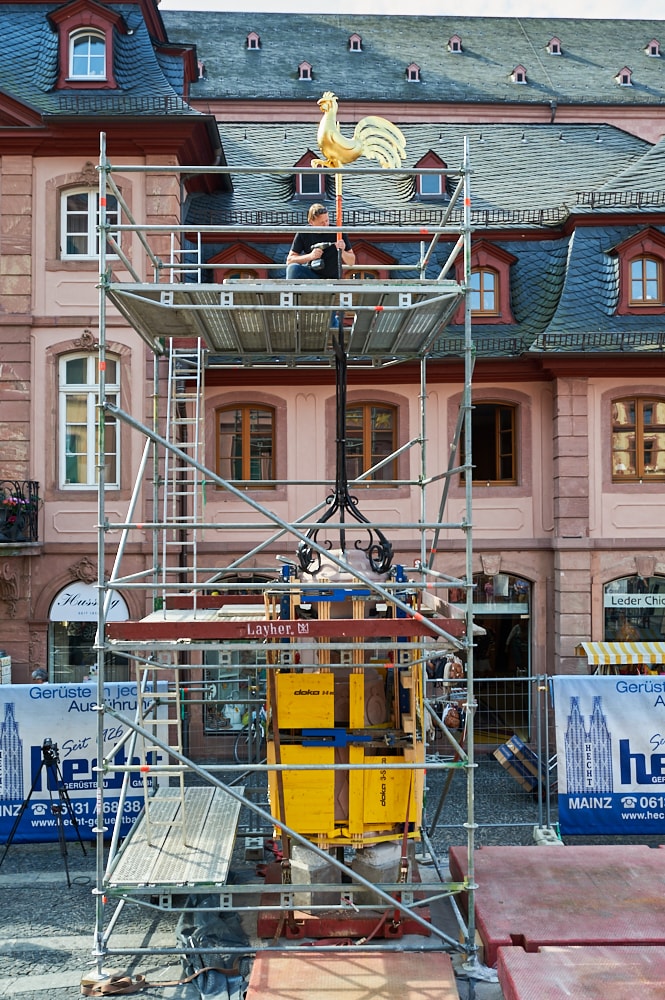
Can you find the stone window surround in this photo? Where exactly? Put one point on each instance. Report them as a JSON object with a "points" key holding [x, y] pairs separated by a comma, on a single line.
{"points": [[52, 489], [55, 187], [524, 406], [219, 398]]}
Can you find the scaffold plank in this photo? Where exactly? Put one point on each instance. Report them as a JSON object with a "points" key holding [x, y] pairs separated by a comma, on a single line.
{"points": [[212, 818]]}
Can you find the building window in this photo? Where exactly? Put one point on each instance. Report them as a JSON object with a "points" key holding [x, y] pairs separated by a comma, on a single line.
{"points": [[493, 443], [355, 43], [246, 443], [635, 618], [484, 291], [79, 219], [87, 55], [554, 47], [455, 43], [624, 77], [253, 41], [646, 281], [413, 73], [638, 439], [304, 71], [653, 48], [78, 420], [359, 274], [371, 436], [430, 185]]}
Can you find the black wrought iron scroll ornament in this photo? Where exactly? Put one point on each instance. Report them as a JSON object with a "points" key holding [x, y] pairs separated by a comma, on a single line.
{"points": [[378, 549], [377, 139]]}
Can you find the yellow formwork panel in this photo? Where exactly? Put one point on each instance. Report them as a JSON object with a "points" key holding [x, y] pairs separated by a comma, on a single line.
{"points": [[387, 793], [305, 701], [309, 796]]}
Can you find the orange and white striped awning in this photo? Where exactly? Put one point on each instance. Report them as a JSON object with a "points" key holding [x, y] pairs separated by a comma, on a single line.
{"points": [[600, 654]]}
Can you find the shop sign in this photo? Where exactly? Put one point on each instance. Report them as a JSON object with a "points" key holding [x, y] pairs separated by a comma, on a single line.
{"points": [[79, 602]]}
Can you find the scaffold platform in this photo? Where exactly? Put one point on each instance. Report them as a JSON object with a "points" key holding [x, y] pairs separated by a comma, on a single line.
{"points": [[286, 322]]}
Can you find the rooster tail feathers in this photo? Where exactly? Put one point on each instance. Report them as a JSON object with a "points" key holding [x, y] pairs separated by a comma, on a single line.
{"points": [[386, 140]]}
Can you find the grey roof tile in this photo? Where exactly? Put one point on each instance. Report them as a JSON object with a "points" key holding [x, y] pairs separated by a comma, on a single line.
{"points": [[594, 51]]}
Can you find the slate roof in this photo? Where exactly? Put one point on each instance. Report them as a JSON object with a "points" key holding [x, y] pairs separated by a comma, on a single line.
{"points": [[564, 287], [593, 53], [148, 84]]}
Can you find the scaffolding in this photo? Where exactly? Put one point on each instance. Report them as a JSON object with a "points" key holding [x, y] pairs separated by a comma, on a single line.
{"points": [[185, 838]]}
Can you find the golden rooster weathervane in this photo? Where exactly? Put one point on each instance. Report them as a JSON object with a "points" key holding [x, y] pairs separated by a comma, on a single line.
{"points": [[373, 137]]}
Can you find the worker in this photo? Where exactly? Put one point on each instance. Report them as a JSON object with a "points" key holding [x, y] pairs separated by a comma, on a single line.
{"points": [[312, 255]]}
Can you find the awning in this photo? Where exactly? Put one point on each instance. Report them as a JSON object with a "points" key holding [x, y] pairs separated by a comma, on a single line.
{"points": [[604, 653]]}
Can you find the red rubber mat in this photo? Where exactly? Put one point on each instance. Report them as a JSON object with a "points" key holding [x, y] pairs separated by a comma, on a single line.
{"points": [[306, 975], [537, 896], [602, 973]]}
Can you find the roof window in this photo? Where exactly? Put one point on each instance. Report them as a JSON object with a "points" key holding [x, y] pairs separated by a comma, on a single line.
{"points": [[554, 46], [430, 185], [253, 40], [653, 48], [454, 43], [85, 45], [624, 77], [413, 73], [355, 43], [304, 71], [518, 75]]}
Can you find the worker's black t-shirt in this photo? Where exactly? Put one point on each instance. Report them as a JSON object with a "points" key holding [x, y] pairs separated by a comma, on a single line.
{"points": [[304, 242]]}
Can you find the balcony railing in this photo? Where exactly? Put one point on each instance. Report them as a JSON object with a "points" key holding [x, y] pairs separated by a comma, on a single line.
{"points": [[19, 507]]}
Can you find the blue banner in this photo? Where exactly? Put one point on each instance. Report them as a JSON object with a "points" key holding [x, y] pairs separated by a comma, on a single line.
{"points": [[48, 760], [610, 734]]}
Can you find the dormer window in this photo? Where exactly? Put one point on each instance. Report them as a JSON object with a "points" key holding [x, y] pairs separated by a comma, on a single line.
{"points": [[430, 185], [455, 43], [624, 77], [312, 186], [355, 43], [304, 71], [253, 40], [641, 273], [85, 45], [489, 288], [554, 47], [653, 48], [518, 75], [413, 73]]}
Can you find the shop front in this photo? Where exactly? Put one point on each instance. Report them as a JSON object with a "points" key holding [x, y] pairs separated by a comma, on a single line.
{"points": [[633, 628]]}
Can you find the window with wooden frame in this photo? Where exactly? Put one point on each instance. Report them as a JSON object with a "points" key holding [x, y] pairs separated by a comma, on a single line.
{"points": [[484, 292], [79, 219], [78, 438], [371, 436], [494, 444], [638, 439], [246, 444], [489, 288], [646, 281]]}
